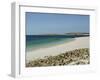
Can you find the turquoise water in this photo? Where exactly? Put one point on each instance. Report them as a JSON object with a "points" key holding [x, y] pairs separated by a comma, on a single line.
{"points": [[34, 42]]}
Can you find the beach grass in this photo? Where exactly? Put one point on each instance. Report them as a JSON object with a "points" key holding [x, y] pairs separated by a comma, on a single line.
{"points": [[74, 57]]}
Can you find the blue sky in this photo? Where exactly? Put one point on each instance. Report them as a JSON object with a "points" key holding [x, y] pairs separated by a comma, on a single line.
{"points": [[47, 23]]}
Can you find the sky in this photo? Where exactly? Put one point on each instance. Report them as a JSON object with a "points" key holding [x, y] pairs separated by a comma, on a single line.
{"points": [[51, 23]]}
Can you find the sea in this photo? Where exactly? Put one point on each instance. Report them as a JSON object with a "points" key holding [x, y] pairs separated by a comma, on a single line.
{"points": [[34, 42]]}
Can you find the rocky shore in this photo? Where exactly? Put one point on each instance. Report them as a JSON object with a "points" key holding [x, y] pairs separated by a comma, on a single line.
{"points": [[74, 57]]}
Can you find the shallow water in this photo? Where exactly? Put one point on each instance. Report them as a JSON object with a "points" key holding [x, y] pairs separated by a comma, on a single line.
{"points": [[40, 41]]}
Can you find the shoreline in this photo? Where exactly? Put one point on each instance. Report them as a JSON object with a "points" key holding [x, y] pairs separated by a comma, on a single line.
{"points": [[80, 42], [48, 45]]}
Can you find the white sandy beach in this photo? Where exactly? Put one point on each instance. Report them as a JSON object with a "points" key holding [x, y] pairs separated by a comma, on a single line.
{"points": [[81, 42]]}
